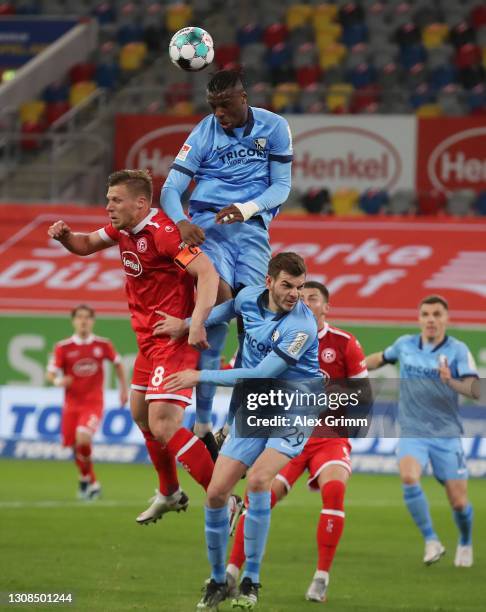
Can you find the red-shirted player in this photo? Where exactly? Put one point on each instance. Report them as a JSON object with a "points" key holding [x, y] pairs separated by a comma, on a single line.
{"points": [[326, 459], [77, 365], [160, 272]]}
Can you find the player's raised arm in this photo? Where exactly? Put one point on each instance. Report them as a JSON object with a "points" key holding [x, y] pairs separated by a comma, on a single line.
{"points": [[77, 242], [207, 289]]}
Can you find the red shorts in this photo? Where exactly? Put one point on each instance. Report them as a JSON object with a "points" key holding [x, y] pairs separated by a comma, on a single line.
{"points": [[318, 453], [86, 420], [150, 371]]}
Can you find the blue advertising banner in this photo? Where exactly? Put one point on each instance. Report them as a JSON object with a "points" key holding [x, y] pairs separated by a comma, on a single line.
{"points": [[30, 420], [22, 39]]}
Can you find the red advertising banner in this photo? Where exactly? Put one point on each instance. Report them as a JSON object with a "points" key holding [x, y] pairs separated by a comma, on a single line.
{"points": [[451, 154], [150, 142], [376, 269]]}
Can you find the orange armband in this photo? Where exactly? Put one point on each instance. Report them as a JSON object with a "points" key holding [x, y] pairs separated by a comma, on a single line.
{"points": [[186, 255]]}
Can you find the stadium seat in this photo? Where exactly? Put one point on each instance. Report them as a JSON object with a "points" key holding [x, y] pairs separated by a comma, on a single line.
{"points": [[429, 110], [328, 35], [177, 16], [411, 55], [56, 92], [278, 56], [462, 34], [366, 99], [431, 202], [332, 55], [323, 15], [408, 34], [6, 9], [339, 96], [285, 98], [472, 76], [460, 203], [104, 13], [442, 76], [305, 55], [308, 75], [422, 95], [275, 34], [248, 34], [317, 201], [227, 54], [84, 71], [435, 35], [181, 109], [30, 132], [132, 56], [402, 202], [350, 14], [55, 110], [344, 201], [480, 203], [80, 91], [32, 112], [362, 76], [298, 15], [478, 16], [373, 202], [354, 34], [452, 100]]}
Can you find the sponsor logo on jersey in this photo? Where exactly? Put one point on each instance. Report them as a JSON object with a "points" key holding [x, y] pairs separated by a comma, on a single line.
{"points": [[142, 244], [260, 143], [169, 228], [328, 355], [275, 335], [131, 263], [98, 352], [85, 367], [257, 346], [184, 152], [297, 344], [242, 156]]}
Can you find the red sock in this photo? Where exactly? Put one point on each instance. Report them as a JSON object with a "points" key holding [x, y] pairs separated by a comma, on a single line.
{"points": [[237, 555], [163, 462], [82, 456], [193, 455], [331, 522]]}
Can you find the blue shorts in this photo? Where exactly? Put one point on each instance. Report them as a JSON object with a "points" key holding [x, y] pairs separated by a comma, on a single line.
{"points": [[446, 456], [240, 252], [247, 450]]}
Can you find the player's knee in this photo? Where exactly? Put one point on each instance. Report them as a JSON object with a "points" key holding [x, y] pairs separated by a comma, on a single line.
{"points": [[408, 478], [258, 481], [163, 428], [216, 496]]}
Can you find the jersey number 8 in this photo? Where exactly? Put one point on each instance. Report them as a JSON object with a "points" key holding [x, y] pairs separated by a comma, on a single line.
{"points": [[158, 376]]}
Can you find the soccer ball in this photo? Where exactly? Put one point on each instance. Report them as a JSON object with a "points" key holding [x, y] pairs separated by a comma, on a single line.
{"points": [[191, 49]]}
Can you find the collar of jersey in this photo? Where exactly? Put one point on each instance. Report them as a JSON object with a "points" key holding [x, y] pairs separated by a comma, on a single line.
{"points": [[321, 333], [262, 302], [144, 222], [436, 348], [79, 341], [250, 122]]}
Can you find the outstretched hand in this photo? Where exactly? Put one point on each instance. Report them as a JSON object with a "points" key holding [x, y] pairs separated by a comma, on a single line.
{"points": [[181, 380]]}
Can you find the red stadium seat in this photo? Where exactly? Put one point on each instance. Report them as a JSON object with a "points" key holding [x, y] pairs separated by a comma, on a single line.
{"points": [[308, 75], [84, 71], [468, 55], [55, 110], [275, 34], [432, 202], [30, 132], [227, 54], [478, 16]]}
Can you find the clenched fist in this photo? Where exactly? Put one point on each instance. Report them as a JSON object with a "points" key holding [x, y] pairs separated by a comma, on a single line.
{"points": [[59, 230]]}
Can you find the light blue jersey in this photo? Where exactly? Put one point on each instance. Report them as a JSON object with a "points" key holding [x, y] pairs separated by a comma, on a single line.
{"points": [[427, 406], [247, 164]]}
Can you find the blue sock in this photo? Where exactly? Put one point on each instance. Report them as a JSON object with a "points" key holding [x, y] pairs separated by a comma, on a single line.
{"points": [[217, 534], [418, 507], [257, 525], [464, 520], [210, 360]]}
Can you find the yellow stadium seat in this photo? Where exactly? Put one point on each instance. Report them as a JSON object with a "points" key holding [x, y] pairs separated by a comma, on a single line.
{"points": [[429, 110], [324, 14], [182, 109], [80, 91], [178, 16], [332, 55], [132, 56], [339, 96], [329, 34], [32, 111], [344, 202], [298, 15], [434, 35], [284, 95]]}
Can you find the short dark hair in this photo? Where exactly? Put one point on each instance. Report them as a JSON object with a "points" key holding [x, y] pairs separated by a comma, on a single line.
{"points": [[319, 286], [79, 307], [138, 182], [224, 79], [434, 299], [288, 262]]}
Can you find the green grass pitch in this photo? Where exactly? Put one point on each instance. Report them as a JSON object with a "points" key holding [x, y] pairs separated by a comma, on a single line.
{"points": [[49, 542]]}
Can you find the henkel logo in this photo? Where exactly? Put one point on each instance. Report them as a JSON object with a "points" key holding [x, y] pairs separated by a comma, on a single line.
{"points": [[85, 367], [345, 156], [131, 263], [459, 161], [155, 151]]}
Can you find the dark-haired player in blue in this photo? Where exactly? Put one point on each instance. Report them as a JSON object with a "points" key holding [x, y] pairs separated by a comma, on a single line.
{"points": [[280, 342], [434, 370], [240, 160]]}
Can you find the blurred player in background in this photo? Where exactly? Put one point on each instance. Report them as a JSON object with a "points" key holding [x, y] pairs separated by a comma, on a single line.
{"points": [[160, 273], [77, 367], [434, 370], [326, 459], [240, 159], [280, 342]]}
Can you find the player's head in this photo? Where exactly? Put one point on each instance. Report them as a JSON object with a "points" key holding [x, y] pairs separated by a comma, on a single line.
{"points": [[433, 317], [285, 281], [228, 99], [316, 296], [129, 197], [83, 319]]}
